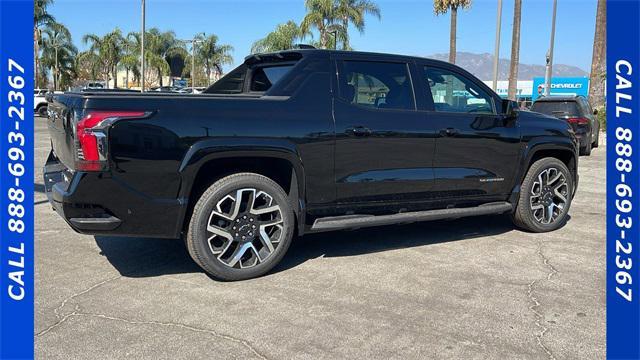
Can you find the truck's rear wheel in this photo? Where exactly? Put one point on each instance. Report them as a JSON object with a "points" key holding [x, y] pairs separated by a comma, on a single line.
{"points": [[241, 227], [545, 196]]}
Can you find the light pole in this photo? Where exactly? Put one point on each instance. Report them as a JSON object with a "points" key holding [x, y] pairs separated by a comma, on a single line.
{"points": [[496, 54], [193, 42], [142, 51], [548, 70]]}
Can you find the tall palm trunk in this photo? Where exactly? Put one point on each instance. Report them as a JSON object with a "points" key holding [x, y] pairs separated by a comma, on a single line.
{"points": [[452, 40], [36, 39], [598, 60], [345, 24], [56, 72], [114, 72], [515, 51], [323, 37]]}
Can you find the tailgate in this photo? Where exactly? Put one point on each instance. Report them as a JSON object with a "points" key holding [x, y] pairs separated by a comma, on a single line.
{"points": [[64, 112]]}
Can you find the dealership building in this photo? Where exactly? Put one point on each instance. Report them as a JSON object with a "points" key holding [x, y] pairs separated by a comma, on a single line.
{"points": [[529, 90]]}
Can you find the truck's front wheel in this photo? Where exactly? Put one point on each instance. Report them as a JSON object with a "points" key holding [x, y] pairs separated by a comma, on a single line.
{"points": [[545, 196], [241, 227]]}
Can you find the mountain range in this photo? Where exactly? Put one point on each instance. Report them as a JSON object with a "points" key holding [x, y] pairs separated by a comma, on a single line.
{"points": [[481, 65]]}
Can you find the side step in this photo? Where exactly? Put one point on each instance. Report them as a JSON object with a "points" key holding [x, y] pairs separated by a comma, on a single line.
{"points": [[360, 221]]}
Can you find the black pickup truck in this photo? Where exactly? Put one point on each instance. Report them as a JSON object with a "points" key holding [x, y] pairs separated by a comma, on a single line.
{"points": [[303, 141]]}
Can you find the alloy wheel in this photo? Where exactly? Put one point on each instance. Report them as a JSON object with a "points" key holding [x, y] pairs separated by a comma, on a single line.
{"points": [[549, 195], [245, 228]]}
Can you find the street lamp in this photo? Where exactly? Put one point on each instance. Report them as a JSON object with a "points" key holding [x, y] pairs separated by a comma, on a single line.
{"points": [[496, 54]]}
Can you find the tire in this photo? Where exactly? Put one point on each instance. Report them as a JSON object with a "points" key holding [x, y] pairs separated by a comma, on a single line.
{"points": [[226, 254], [534, 193], [586, 150], [42, 111]]}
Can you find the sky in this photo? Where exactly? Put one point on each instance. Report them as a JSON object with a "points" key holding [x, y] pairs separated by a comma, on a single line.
{"points": [[407, 26]]}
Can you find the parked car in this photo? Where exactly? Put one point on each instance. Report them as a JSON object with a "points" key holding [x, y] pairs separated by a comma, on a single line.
{"points": [[577, 111], [191, 90], [173, 89], [304, 141], [40, 102]]}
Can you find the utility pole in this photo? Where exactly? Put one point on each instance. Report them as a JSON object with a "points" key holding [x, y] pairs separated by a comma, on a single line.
{"points": [[193, 42], [548, 70], [496, 53], [142, 50]]}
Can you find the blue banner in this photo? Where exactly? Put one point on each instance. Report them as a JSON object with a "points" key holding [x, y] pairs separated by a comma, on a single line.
{"points": [[623, 180], [561, 86], [16, 179]]}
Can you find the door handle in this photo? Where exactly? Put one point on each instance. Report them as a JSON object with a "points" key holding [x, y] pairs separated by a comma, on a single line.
{"points": [[449, 132], [359, 131]]}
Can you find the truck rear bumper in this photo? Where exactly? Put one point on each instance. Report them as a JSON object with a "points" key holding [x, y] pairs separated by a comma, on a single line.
{"points": [[98, 204]]}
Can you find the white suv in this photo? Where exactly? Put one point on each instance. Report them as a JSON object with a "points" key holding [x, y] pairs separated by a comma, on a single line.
{"points": [[39, 102]]}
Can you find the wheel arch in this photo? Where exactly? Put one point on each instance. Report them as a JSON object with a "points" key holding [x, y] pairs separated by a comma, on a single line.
{"points": [[210, 160], [563, 150]]}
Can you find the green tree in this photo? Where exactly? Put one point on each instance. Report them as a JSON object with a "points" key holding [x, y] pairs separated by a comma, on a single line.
{"points": [[212, 55], [322, 15], [353, 12], [164, 46], [442, 7], [284, 37], [109, 49], [58, 53], [40, 18], [88, 66]]}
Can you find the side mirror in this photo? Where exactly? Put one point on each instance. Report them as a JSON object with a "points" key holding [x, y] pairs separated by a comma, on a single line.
{"points": [[595, 111], [510, 108]]}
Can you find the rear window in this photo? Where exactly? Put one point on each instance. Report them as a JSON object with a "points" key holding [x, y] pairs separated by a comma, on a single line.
{"points": [[259, 73], [263, 78], [556, 108]]}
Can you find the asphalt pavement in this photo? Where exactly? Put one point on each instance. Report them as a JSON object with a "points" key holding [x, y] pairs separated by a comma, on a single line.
{"points": [[474, 288]]}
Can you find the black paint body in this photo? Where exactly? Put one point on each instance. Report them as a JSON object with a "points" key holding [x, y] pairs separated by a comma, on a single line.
{"points": [[406, 162]]}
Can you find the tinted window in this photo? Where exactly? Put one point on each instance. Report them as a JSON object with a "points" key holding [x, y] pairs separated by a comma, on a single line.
{"points": [[376, 85], [556, 108], [453, 92], [265, 77], [232, 83]]}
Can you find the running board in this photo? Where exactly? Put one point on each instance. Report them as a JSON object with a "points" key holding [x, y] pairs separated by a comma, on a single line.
{"points": [[360, 221]]}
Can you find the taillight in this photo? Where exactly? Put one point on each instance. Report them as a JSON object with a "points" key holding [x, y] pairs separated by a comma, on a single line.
{"points": [[91, 137], [578, 120]]}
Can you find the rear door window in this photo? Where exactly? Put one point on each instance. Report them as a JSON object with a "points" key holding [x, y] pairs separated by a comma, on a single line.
{"points": [[376, 85]]}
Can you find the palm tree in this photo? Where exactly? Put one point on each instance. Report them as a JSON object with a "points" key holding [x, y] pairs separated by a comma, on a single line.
{"points": [[515, 51], [58, 51], [353, 12], [212, 55], [88, 66], [40, 18], [283, 37], [130, 58], [165, 46], [322, 15], [109, 49], [442, 7], [598, 60]]}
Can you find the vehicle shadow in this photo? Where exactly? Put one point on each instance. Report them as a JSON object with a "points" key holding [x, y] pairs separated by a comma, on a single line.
{"points": [[144, 257]]}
